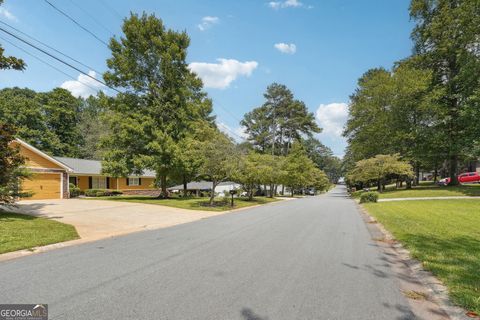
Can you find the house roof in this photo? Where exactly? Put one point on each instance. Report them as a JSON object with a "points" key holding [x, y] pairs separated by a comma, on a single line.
{"points": [[201, 185], [94, 167], [44, 155]]}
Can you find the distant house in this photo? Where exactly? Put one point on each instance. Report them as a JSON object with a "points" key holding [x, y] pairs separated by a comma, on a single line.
{"points": [[206, 186], [52, 175]]}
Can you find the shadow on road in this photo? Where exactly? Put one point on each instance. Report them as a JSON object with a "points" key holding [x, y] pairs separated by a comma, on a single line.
{"points": [[248, 314]]}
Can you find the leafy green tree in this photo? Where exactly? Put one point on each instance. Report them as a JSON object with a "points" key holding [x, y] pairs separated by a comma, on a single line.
{"points": [[161, 98], [220, 159], [446, 39], [12, 169], [91, 126], [379, 169], [298, 169], [279, 121], [61, 113], [249, 173], [323, 158]]}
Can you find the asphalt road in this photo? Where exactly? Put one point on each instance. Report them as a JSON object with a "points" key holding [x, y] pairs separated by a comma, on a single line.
{"points": [[305, 259]]}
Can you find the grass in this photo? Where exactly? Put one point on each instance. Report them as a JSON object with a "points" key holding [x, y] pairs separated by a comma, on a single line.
{"points": [[427, 190], [445, 236], [19, 231], [192, 203]]}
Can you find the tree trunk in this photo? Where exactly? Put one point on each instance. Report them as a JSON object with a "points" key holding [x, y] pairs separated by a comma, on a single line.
{"points": [[291, 190], [409, 183], [417, 174], [453, 171], [163, 187], [212, 195], [283, 189], [435, 174], [271, 191], [379, 185], [250, 194], [184, 186]]}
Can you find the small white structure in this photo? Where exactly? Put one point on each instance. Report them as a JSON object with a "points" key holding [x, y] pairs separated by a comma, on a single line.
{"points": [[206, 186]]}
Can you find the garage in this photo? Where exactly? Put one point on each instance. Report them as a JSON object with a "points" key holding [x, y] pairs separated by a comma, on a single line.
{"points": [[44, 186]]}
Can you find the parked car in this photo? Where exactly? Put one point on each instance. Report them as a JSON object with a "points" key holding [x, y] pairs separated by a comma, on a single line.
{"points": [[469, 177]]}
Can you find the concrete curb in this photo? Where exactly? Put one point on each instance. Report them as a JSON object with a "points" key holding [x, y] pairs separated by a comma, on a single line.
{"points": [[438, 291]]}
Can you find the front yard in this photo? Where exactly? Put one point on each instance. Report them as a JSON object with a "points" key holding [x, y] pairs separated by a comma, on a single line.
{"points": [[427, 190], [18, 231], [192, 203], [445, 236]]}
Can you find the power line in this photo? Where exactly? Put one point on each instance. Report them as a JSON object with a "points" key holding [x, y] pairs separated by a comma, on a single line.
{"points": [[56, 58], [48, 64], [111, 9], [92, 17], [75, 21], [50, 47]]}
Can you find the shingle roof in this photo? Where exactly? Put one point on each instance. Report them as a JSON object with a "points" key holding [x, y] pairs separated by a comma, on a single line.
{"points": [[82, 166]]}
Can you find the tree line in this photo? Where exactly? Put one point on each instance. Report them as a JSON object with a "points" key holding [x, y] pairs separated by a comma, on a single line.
{"points": [[162, 120], [425, 109]]}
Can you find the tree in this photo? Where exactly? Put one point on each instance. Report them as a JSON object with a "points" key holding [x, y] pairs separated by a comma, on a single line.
{"points": [[323, 158], [48, 121], [12, 169], [161, 98], [378, 169], [249, 173], [61, 113], [220, 161], [92, 128], [9, 62], [446, 38], [274, 126], [298, 169]]}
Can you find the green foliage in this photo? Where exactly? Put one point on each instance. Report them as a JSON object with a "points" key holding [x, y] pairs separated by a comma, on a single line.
{"points": [[49, 121], [74, 190], [369, 197], [102, 193], [299, 171], [12, 169], [279, 121], [219, 158], [323, 158], [378, 169], [161, 100]]}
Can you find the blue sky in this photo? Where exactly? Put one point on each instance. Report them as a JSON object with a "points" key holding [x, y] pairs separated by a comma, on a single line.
{"points": [[317, 48]]}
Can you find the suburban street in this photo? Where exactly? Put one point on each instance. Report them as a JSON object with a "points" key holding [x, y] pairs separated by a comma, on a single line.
{"points": [[311, 258]]}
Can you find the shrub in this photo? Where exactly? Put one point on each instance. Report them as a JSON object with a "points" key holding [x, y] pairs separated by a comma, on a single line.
{"points": [[74, 190], [102, 193], [369, 197]]}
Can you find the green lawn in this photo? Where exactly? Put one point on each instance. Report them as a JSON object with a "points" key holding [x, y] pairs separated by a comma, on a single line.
{"points": [[445, 236], [191, 203], [427, 190], [19, 231]]}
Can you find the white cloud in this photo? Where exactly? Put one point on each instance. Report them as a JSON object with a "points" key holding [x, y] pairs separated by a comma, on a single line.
{"points": [[238, 134], [220, 75], [84, 86], [208, 22], [286, 48], [332, 118], [7, 14], [285, 4]]}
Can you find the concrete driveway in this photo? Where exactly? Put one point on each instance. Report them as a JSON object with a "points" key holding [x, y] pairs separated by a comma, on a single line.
{"points": [[97, 219]]}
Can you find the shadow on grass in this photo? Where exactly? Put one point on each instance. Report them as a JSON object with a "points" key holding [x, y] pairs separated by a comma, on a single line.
{"points": [[456, 261]]}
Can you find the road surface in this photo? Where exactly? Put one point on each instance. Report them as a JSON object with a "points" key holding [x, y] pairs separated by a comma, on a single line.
{"points": [[311, 258]]}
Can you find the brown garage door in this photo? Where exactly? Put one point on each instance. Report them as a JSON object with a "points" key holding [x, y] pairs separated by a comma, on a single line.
{"points": [[43, 186]]}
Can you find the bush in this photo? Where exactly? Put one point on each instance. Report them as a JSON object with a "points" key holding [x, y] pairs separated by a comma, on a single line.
{"points": [[102, 193], [369, 197], [74, 190]]}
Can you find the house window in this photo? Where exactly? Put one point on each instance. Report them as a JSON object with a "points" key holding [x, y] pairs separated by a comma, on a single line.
{"points": [[133, 181], [73, 180], [99, 183]]}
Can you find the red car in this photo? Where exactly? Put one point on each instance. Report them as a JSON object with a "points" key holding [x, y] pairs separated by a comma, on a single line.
{"points": [[469, 177]]}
